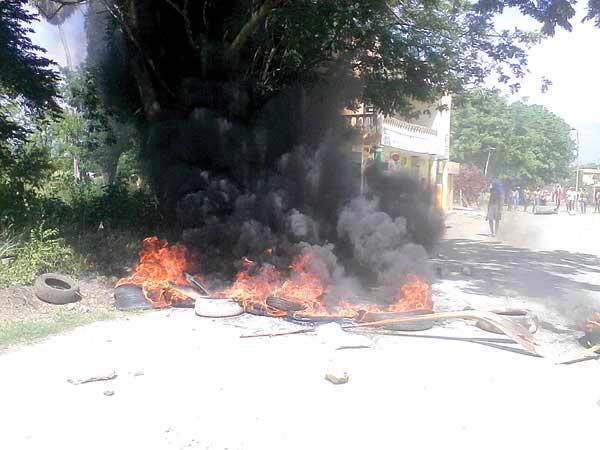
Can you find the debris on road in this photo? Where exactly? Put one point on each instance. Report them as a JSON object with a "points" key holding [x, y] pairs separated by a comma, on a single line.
{"points": [[109, 393], [107, 377], [337, 378], [591, 353], [523, 317], [510, 328]]}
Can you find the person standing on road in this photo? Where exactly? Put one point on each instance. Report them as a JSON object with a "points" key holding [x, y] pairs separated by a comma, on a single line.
{"points": [[571, 196], [597, 202], [558, 193], [537, 197], [494, 214], [516, 197], [526, 199], [583, 202]]}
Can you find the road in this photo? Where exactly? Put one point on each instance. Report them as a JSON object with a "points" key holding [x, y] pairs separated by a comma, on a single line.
{"points": [[187, 382], [546, 262]]}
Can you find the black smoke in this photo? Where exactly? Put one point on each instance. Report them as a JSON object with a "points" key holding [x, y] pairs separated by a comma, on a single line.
{"points": [[271, 182]]}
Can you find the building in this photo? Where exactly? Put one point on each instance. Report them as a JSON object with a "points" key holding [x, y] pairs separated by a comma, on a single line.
{"points": [[419, 146], [590, 180]]}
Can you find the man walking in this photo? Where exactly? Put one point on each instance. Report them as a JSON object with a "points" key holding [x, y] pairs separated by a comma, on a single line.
{"points": [[494, 214]]}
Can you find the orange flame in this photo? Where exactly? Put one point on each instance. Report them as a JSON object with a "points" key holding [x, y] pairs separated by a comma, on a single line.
{"points": [[414, 295], [158, 267], [591, 324], [161, 264]]}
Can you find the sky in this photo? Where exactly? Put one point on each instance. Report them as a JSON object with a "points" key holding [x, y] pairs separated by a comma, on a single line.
{"points": [[568, 59]]}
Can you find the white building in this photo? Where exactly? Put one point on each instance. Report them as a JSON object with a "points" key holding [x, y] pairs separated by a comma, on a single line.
{"points": [[420, 146]]}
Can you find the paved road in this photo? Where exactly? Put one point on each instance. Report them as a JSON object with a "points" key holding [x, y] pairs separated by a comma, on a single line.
{"points": [[548, 262], [204, 387]]}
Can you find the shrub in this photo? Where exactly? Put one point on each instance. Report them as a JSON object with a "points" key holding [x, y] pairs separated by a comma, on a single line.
{"points": [[43, 252]]}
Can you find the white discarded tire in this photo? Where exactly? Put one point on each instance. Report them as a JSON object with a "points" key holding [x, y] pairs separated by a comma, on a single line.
{"points": [[217, 307]]}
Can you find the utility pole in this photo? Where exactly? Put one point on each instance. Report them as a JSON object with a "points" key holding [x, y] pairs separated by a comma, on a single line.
{"points": [[576, 160], [487, 163]]}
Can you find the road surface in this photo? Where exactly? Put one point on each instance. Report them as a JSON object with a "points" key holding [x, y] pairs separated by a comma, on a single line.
{"points": [[187, 382]]}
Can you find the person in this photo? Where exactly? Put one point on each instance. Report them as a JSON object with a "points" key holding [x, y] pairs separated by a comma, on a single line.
{"points": [[516, 197], [571, 196], [537, 198], [597, 209], [526, 199], [558, 196], [583, 202], [494, 213]]}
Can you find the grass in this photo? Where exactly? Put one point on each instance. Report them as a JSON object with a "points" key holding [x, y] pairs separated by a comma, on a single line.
{"points": [[30, 331]]}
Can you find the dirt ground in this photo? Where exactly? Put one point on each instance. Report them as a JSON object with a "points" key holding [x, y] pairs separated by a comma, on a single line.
{"points": [[187, 382], [18, 303], [24, 318]]}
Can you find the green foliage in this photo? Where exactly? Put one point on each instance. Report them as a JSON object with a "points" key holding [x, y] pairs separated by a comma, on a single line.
{"points": [[24, 74], [9, 244], [104, 137], [524, 143], [43, 252], [117, 207]]}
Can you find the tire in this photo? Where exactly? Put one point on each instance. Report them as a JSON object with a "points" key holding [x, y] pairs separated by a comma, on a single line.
{"points": [[218, 308], [129, 297], [56, 289], [285, 304]]}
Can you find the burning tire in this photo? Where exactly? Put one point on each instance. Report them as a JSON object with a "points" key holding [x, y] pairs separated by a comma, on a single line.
{"points": [[218, 307], [521, 316], [285, 304], [129, 297], [408, 326], [56, 289]]}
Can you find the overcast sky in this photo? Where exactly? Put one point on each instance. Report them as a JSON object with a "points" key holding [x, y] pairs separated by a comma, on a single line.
{"points": [[569, 60]]}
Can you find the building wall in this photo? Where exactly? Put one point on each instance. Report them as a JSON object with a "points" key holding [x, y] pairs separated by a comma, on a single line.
{"points": [[420, 145]]}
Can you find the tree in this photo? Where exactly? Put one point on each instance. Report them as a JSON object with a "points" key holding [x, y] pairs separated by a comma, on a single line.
{"points": [[24, 75], [525, 143], [102, 137], [27, 90], [470, 183]]}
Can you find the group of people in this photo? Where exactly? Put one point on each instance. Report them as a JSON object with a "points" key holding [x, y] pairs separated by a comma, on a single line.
{"points": [[576, 200]]}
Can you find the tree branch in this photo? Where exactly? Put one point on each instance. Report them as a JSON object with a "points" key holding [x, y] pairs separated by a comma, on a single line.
{"points": [[248, 29], [151, 103], [69, 2], [186, 20]]}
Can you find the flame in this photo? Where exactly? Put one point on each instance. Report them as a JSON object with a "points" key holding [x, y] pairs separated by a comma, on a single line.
{"points": [[591, 324], [304, 286], [414, 295], [252, 290], [158, 267]]}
